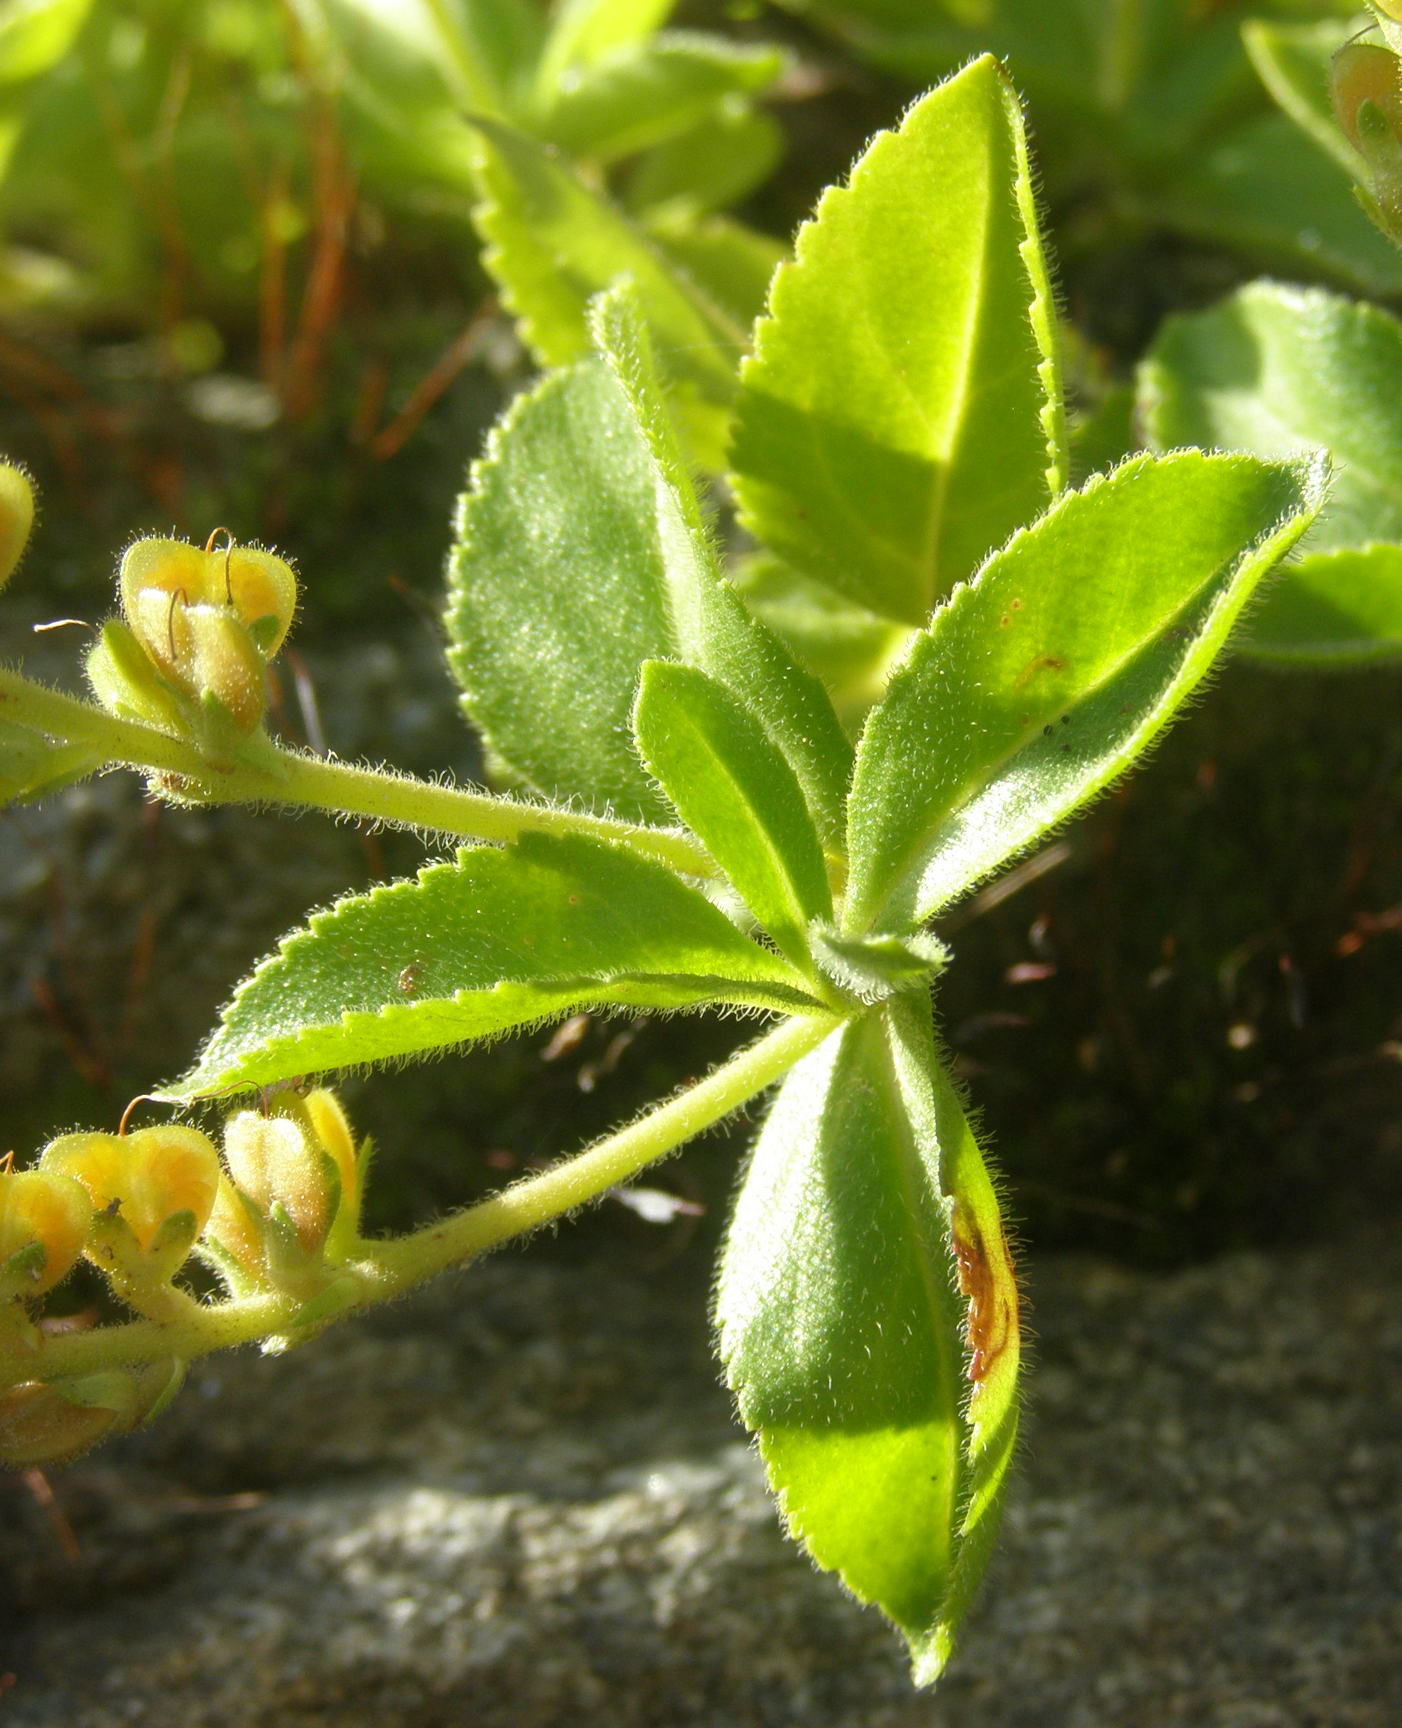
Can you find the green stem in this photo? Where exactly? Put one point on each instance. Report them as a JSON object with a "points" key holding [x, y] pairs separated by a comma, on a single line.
{"points": [[387, 1269], [270, 775], [539, 1199]]}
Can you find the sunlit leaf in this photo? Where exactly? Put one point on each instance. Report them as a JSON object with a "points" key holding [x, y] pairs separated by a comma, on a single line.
{"points": [[1040, 681], [1281, 371], [553, 243], [496, 940], [582, 552], [865, 1285], [648, 92], [732, 787], [900, 415]]}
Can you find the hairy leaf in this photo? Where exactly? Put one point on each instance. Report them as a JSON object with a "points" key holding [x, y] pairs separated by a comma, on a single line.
{"points": [[1277, 371], [901, 413], [553, 243], [1041, 680], [558, 591], [1339, 608], [1280, 371], [865, 1284], [496, 940], [713, 627], [645, 93], [581, 553], [734, 790]]}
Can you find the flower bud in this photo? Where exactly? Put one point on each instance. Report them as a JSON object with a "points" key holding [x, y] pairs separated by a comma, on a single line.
{"points": [[233, 1240], [152, 1191], [332, 1130], [44, 1224], [200, 626], [16, 517]]}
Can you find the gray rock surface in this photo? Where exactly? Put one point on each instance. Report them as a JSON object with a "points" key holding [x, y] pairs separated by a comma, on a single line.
{"points": [[518, 1499]]}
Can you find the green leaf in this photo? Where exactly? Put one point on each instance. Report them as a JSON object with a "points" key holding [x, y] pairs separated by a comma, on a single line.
{"points": [[400, 103], [553, 243], [715, 163], [581, 552], [851, 649], [645, 93], [1279, 371], [901, 413], [871, 969], [1339, 608], [734, 790], [1041, 681], [34, 36], [1293, 62], [734, 264], [713, 627], [1138, 83], [558, 591], [415, 65], [583, 31], [864, 1259], [1266, 188], [496, 940]]}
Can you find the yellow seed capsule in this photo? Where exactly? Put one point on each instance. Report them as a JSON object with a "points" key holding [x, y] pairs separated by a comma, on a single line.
{"points": [[1366, 89], [332, 1129], [45, 1220], [40, 1425], [152, 1191], [160, 577], [16, 517], [275, 1163], [1365, 73]]}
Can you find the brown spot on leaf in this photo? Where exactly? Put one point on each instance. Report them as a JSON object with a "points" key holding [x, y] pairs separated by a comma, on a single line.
{"points": [[1042, 663], [991, 1327]]}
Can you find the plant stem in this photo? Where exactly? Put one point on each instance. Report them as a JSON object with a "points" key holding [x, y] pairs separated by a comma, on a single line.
{"points": [[539, 1199], [271, 775], [387, 1269]]}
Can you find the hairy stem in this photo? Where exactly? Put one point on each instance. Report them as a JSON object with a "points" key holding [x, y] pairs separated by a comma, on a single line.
{"points": [[386, 1269], [266, 774]]}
